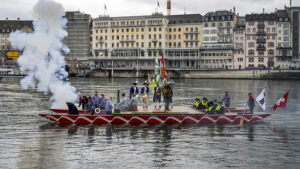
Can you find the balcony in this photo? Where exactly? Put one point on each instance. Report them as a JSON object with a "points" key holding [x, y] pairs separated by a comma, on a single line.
{"points": [[101, 41], [154, 40], [192, 32], [261, 47], [192, 40], [261, 40], [127, 40], [261, 25], [261, 33]]}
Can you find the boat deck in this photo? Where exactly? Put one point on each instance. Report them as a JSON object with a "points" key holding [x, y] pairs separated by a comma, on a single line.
{"points": [[152, 110]]}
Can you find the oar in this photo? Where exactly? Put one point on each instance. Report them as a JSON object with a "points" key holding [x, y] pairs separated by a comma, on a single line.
{"points": [[242, 119]]}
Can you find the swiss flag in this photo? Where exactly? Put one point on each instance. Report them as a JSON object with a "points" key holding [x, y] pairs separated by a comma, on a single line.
{"points": [[281, 102]]}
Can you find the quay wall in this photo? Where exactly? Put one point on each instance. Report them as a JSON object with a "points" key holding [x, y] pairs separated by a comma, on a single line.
{"points": [[205, 74]]}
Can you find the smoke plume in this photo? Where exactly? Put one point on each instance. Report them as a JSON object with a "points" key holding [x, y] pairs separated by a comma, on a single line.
{"points": [[41, 57]]}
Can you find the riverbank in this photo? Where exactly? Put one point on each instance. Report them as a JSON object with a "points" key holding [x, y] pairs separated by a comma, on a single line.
{"points": [[204, 74]]}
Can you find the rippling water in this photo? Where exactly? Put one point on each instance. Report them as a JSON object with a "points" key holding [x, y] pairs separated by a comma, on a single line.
{"points": [[28, 141]]}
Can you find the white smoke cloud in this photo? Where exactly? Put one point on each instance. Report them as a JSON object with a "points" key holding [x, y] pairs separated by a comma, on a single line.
{"points": [[41, 57]]}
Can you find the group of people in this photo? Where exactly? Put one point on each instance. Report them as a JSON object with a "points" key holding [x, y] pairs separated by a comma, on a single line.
{"points": [[215, 107], [165, 91], [93, 103]]}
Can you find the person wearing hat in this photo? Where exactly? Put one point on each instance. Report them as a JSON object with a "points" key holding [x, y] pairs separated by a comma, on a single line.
{"points": [[220, 109], [157, 95], [167, 92], [134, 90], [226, 99], [251, 102], [203, 104], [145, 92]]}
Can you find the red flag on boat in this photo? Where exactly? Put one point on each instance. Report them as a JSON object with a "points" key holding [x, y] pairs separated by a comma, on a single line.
{"points": [[164, 75], [281, 102]]}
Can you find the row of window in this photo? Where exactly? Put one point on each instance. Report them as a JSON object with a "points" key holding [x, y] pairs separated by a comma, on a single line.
{"points": [[254, 30], [251, 23], [191, 29], [220, 24], [256, 37], [261, 53], [216, 54], [159, 36], [260, 59], [128, 23], [150, 44], [226, 31], [252, 45]]}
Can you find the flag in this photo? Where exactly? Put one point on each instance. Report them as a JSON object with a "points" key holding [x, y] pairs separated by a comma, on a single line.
{"points": [[261, 99], [157, 3], [164, 75], [104, 6], [157, 76], [282, 101]]}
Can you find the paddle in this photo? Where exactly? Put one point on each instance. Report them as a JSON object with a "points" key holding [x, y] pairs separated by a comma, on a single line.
{"points": [[242, 119]]}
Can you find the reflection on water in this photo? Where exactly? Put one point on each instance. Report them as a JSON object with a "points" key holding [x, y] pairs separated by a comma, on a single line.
{"points": [[28, 141]]}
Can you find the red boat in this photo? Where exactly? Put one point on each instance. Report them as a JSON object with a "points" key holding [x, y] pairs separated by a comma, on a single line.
{"points": [[231, 110], [153, 116]]}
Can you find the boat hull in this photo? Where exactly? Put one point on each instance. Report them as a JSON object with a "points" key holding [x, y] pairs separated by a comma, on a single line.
{"points": [[152, 119]]}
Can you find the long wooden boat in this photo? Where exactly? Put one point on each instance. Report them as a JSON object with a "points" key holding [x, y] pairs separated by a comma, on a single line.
{"points": [[231, 110], [180, 115]]}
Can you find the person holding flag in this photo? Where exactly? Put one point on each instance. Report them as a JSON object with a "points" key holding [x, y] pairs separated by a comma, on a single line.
{"points": [[251, 103], [282, 101]]}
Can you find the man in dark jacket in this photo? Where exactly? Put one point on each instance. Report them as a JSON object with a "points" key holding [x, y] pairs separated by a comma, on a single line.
{"points": [[251, 103], [72, 108]]}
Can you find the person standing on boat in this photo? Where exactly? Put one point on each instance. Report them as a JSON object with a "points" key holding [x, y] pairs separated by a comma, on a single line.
{"points": [[157, 95], [167, 92], [83, 100], [123, 105], [144, 93], [96, 99], [102, 102], [226, 99], [91, 105], [220, 109], [251, 103], [134, 90], [72, 108], [108, 106]]}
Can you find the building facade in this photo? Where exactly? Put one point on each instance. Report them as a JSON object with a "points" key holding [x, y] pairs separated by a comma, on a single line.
{"points": [[134, 41], [261, 35], [8, 56], [284, 40], [294, 13], [78, 39], [239, 60], [217, 40]]}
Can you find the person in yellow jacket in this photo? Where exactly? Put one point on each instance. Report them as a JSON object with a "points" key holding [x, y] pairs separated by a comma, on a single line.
{"points": [[210, 108], [196, 104], [221, 108], [203, 104]]}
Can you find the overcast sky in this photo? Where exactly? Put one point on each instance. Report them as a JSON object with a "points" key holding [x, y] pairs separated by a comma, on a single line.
{"points": [[13, 9]]}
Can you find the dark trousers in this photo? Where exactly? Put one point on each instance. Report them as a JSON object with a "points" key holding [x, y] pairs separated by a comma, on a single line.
{"points": [[251, 110]]}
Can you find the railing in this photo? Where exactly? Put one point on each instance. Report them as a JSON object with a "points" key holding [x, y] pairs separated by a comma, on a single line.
{"points": [[192, 31], [261, 48], [127, 40], [261, 40]]}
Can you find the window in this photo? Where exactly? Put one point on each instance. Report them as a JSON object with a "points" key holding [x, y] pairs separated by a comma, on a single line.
{"points": [[251, 23], [174, 36], [142, 30], [251, 45], [271, 44], [250, 52], [261, 52], [142, 36], [271, 22], [271, 52], [260, 59], [170, 37], [137, 36], [268, 29], [179, 36], [154, 29], [159, 36], [248, 30], [150, 36], [149, 29], [251, 59], [273, 30]]}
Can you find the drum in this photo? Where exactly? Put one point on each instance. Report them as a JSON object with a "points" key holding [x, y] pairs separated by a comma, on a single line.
{"points": [[97, 110], [139, 98], [145, 99]]}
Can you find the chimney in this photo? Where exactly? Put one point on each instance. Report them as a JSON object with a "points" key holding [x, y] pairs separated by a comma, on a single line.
{"points": [[263, 10], [276, 10], [234, 9], [169, 7], [18, 19], [6, 18], [230, 10], [290, 3]]}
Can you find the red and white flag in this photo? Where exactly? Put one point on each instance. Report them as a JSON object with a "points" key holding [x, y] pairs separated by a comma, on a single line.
{"points": [[281, 102], [164, 74]]}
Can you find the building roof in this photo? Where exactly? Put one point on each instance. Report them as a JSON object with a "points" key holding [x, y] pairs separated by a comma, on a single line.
{"points": [[223, 15], [264, 16], [13, 25], [184, 19], [155, 15], [282, 15]]}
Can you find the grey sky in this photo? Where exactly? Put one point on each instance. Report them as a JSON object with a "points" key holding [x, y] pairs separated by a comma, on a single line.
{"points": [[23, 8]]}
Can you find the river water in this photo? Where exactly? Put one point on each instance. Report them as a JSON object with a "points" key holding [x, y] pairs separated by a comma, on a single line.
{"points": [[28, 141]]}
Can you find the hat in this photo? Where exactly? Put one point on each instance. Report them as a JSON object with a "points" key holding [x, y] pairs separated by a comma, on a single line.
{"points": [[123, 94], [134, 83], [145, 83], [250, 94], [204, 98]]}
